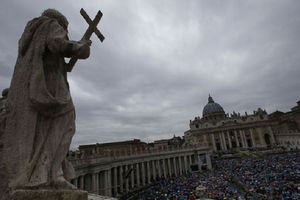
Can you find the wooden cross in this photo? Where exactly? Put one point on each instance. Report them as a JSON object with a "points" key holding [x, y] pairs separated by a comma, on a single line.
{"points": [[88, 33]]}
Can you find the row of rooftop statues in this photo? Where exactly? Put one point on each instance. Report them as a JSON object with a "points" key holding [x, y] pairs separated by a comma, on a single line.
{"points": [[37, 114]]}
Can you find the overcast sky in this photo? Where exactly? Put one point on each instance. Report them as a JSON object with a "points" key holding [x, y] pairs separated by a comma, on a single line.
{"points": [[161, 59]]}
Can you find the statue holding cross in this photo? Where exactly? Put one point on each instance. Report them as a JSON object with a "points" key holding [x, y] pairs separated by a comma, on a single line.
{"points": [[41, 119]]}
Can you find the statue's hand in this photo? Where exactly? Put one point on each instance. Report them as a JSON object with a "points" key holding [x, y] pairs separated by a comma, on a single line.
{"points": [[89, 42], [84, 49]]}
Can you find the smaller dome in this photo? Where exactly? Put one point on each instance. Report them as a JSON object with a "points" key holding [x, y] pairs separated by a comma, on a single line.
{"points": [[212, 107]]}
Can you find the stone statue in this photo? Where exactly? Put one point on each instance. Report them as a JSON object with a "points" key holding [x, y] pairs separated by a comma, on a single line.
{"points": [[41, 119]]}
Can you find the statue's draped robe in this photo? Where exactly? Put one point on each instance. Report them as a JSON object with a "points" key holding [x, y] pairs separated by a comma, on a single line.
{"points": [[40, 124]]}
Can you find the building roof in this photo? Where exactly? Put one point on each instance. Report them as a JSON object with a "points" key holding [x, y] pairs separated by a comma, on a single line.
{"points": [[120, 143]]}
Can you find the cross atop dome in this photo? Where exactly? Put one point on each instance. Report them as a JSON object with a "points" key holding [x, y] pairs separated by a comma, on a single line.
{"points": [[210, 99]]}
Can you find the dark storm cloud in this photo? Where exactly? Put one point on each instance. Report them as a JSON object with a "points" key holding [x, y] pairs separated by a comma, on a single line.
{"points": [[161, 59]]}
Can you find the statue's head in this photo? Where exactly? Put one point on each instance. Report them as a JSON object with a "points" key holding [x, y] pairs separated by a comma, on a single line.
{"points": [[5, 92], [52, 13]]}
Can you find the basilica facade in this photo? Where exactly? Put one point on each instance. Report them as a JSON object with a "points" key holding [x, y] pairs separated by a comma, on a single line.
{"points": [[224, 132]]}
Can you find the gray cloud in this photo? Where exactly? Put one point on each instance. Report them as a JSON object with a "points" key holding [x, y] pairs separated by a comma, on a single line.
{"points": [[160, 59]]}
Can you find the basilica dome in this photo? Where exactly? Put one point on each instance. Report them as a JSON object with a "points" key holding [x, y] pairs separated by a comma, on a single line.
{"points": [[212, 108]]}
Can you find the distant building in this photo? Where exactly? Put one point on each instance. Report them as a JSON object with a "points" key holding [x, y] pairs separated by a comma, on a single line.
{"points": [[223, 132], [286, 127], [123, 147], [174, 142]]}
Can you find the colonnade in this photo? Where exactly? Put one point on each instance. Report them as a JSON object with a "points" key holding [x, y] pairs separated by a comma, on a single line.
{"points": [[120, 177], [240, 138]]}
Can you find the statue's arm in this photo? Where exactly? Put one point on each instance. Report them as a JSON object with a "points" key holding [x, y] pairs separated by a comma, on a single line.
{"points": [[58, 42]]}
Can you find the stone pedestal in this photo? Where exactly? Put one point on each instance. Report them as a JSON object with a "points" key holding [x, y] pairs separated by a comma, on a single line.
{"points": [[49, 195]]}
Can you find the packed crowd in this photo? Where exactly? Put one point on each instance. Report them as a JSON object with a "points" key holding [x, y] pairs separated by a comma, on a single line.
{"points": [[269, 177]]}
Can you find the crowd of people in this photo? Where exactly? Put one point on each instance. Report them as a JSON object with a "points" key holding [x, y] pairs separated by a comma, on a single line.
{"points": [[271, 177], [275, 176]]}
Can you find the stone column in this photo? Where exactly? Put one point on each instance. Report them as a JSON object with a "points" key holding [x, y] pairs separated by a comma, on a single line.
{"points": [[236, 138], [158, 167], [208, 161], [213, 141], [221, 141], [252, 137], [95, 183], [108, 183], [121, 179], [169, 166], [138, 180], [189, 159], [126, 178], [273, 142], [132, 176], [205, 139], [82, 182], [244, 135], [180, 165], [175, 166], [245, 139], [261, 137], [98, 184], [148, 173], [116, 180], [229, 139], [154, 169], [104, 182], [164, 167], [143, 174], [89, 183], [242, 139], [199, 161], [224, 140], [185, 164]]}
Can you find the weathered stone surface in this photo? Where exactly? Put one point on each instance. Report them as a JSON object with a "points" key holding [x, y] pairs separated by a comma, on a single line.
{"points": [[3, 174], [3, 114], [49, 195]]}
